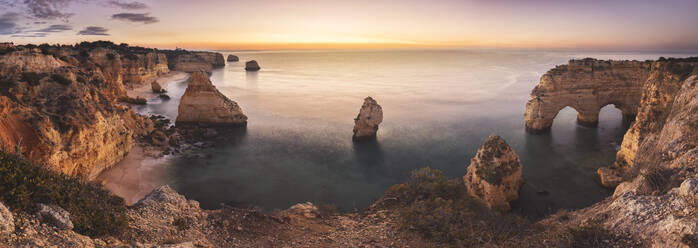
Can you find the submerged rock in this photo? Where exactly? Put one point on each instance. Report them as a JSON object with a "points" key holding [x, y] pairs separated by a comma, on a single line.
{"points": [[366, 123], [233, 58], [494, 174], [55, 216], [7, 220], [252, 65], [203, 104]]}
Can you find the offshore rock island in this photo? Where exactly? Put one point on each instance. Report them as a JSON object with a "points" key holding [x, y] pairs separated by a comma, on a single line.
{"points": [[63, 123]]}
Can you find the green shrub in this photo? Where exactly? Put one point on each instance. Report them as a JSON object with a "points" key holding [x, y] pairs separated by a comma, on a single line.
{"points": [[657, 177], [6, 84], [61, 79], [182, 223], [94, 211], [33, 78]]}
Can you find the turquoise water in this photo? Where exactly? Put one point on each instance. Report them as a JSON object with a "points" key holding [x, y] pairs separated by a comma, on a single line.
{"points": [[439, 107]]}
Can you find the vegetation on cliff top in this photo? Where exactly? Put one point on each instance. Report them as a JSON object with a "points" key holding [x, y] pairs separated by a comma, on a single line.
{"points": [[93, 210]]}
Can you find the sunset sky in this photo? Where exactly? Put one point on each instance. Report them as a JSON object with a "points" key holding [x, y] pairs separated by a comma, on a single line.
{"points": [[307, 24]]}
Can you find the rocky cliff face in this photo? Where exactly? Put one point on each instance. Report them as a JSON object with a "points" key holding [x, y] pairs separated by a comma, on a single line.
{"points": [[59, 116], [203, 104], [181, 60], [494, 174], [665, 129], [366, 123], [58, 104], [587, 86], [657, 164]]}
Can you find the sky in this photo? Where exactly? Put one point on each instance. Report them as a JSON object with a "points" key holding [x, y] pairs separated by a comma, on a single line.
{"points": [[668, 25]]}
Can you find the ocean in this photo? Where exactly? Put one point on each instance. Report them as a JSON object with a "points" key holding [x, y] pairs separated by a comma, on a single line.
{"points": [[439, 107]]}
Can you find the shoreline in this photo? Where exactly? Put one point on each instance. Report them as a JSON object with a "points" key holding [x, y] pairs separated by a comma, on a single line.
{"points": [[145, 90], [143, 169]]}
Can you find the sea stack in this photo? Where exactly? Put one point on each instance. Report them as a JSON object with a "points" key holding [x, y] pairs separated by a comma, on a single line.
{"points": [[202, 104], [494, 174], [233, 58], [252, 65], [155, 86], [366, 123]]}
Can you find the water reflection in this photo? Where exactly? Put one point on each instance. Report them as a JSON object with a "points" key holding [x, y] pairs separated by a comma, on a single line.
{"points": [[371, 157]]}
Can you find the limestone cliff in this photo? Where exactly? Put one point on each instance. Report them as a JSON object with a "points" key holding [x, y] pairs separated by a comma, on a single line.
{"points": [[494, 174], [655, 169], [182, 60], [665, 128], [58, 103], [367, 121], [203, 104], [587, 86]]}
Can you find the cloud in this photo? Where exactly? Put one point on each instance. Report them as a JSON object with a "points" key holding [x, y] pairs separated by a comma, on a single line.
{"points": [[128, 5], [8, 23], [55, 28], [32, 35], [135, 17], [48, 9], [93, 30]]}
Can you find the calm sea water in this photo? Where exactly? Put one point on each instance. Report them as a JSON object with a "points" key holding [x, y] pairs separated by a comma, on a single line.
{"points": [[439, 107]]}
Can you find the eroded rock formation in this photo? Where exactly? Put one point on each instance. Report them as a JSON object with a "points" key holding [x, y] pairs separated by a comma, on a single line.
{"points": [[252, 65], [655, 169], [233, 58], [494, 174], [181, 60], [367, 121], [156, 88], [664, 132], [586, 85], [59, 103], [203, 104]]}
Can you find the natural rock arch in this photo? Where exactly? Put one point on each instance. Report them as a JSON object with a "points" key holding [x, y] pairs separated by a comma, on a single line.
{"points": [[587, 86]]}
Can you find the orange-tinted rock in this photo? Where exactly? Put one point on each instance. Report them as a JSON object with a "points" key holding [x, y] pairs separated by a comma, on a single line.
{"points": [[494, 174]]}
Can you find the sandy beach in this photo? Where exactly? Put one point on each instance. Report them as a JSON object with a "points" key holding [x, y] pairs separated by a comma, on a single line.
{"points": [[135, 176]]}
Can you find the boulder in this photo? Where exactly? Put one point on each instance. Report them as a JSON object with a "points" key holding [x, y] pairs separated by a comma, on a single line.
{"points": [[494, 174], [252, 65], [689, 189], [307, 210], [155, 86], [233, 58], [609, 177], [54, 215], [202, 104], [7, 221], [366, 123]]}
